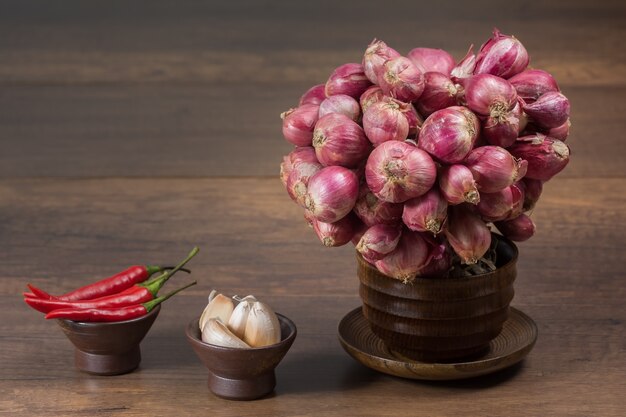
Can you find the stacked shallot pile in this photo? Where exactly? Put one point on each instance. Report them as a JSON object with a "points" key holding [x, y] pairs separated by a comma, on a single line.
{"points": [[417, 196]]}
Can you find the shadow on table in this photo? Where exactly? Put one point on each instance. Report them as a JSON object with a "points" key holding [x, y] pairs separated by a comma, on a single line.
{"points": [[480, 382], [331, 372], [323, 372]]}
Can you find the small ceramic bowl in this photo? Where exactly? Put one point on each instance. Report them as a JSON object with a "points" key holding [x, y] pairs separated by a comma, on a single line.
{"points": [[108, 348], [242, 374]]}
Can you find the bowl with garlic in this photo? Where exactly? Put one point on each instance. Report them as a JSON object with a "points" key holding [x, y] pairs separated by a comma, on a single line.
{"points": [[240, 341]]}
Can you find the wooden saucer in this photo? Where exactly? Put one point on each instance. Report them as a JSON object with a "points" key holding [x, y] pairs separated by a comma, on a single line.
{"points": [[516, 340]]}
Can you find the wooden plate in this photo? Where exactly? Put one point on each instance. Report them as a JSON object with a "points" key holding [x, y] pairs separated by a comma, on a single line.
{"points": [[516, 340]]}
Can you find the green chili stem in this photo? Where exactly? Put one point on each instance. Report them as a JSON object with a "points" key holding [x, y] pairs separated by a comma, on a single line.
{"points": [[153, 303], [155, 285]]}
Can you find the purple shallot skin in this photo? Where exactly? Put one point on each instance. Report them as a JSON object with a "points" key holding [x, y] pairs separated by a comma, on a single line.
{"points": [[502, 55], [397, 171], [331, 193], [449, 134], [348, 79], [544, 155]]}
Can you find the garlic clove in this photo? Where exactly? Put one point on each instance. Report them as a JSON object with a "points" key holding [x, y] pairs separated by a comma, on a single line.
{"points": [[239, 317], [262, 326], [220, 307], [215, 332]]}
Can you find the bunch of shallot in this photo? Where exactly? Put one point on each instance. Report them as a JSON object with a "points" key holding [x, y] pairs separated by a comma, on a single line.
{"points": [[414, 158]]}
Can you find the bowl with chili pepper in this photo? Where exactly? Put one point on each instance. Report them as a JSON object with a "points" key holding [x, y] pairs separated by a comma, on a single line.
{"points": [[107, 320]]}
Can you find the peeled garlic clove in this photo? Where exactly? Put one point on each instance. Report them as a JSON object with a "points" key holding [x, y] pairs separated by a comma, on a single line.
{"points": [[262, 327], [216, 333], [239, 317], [220, 307]]}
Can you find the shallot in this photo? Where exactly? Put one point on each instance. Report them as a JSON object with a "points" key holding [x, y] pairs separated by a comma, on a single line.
{"points": [[385, 120], [341, 104], [427, 213], [545, 156], [339, 140], [432, 60], [494, 168], [502, 129], [533, 83], [501, 205], [548, 111], [518, 229], [440, 261], [370, 96], [298, 124], [375, 56], [298, 180], [413, 158], [439, 92], [502, 55], [407, 259], [372, 210], [465, 68], [331, 193], [378, 241], [338, 233], [532, 191], [457, 185], [347, 79], [449, 134], [489, 95], [415, 120], [397, 171], [295, 157], [401, 79], [468, 235], [314, 95], [560, 132]]}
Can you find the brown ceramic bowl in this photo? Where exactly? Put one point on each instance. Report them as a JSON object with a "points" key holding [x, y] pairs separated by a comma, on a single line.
{"points": [[108, 348], [242, 374], [445, 319]]}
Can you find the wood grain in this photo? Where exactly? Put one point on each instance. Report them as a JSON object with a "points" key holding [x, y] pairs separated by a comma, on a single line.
{"points": [[131, 131], [254, 42], [215, 130], [97, 226], [161, 90]]}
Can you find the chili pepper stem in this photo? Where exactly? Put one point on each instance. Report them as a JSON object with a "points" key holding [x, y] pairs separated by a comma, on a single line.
{"points": [[155, 285], [165, 268], [153, 269], [149, 306]]}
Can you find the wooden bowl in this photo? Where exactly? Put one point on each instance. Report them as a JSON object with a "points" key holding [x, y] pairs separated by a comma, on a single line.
{"points": [[242, 374], [108, 348], [435, 320]]}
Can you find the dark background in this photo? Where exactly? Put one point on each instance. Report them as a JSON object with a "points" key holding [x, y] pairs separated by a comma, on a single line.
{"points": [[101, 88], [131, 131]]}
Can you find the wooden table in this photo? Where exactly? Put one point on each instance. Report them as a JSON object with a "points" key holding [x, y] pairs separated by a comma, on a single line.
{"points": [[130, 132]]}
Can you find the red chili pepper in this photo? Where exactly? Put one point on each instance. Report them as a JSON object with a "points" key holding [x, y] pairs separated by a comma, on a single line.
{"points": [[137, 294], [111, 314], [134, 295], [112, 285]]}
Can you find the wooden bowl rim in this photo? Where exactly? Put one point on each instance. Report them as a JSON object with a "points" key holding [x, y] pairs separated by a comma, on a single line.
{"points": [[193, 325]]}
